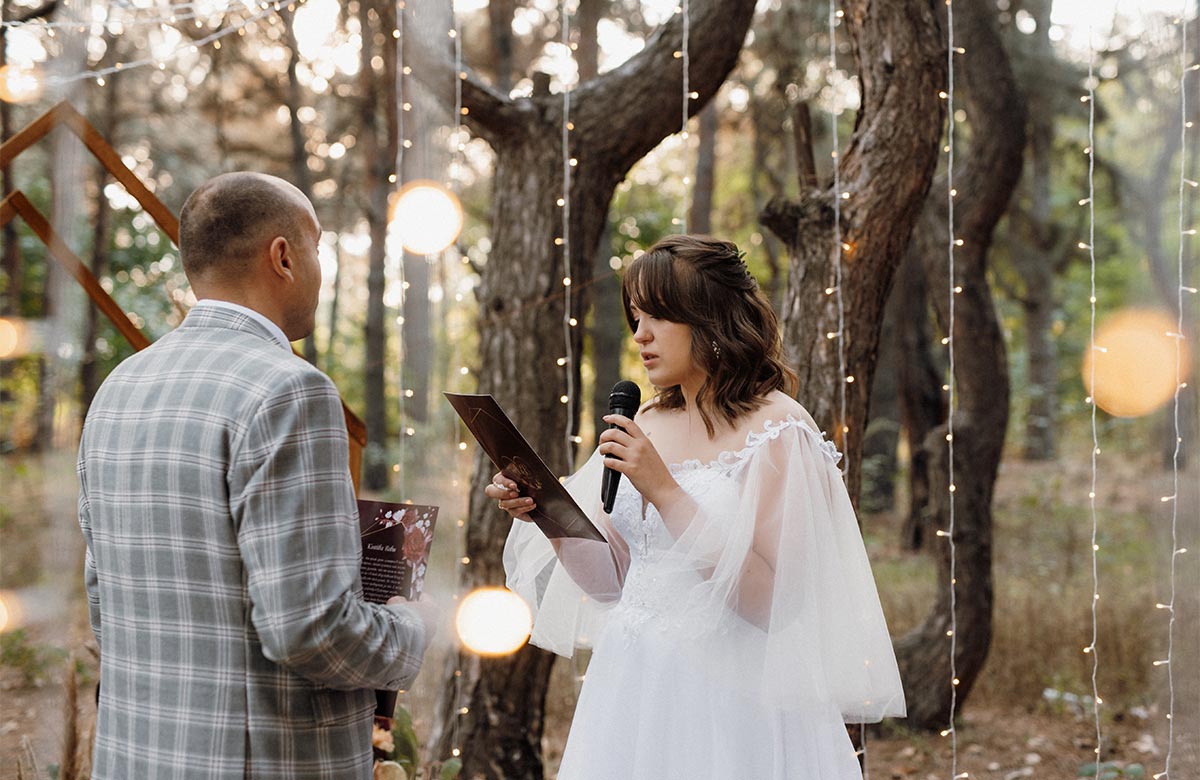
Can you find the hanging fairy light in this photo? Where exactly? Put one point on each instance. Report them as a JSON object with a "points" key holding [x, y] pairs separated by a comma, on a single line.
{"points": [[569, 320], [1094, 349], [951, 244], [840, 246], [394, 206], [461, 561], [169, 14], [1185, 233], [685, 12], [160, 60]]}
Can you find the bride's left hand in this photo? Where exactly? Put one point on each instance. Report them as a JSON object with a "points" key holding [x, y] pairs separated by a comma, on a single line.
{"points": [[635, 456]]}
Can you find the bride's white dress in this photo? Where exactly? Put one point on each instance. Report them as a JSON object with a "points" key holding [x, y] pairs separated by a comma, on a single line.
{"points": [[697, 670]]}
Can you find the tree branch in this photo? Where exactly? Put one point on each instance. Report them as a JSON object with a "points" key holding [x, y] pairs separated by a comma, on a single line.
{"points": [[650, 84]]}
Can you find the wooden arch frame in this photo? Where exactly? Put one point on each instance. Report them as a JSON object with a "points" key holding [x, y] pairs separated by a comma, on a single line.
{"points": [[17, 204]]}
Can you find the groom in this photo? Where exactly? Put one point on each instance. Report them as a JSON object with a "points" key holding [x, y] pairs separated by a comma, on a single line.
{"points": [[222, 565]]}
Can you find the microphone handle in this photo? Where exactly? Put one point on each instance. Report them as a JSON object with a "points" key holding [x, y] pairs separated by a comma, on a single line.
{"points": [[612, 477]]}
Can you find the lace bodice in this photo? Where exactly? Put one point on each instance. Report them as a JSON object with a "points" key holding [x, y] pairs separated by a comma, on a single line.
{"points": [[714, 486]]}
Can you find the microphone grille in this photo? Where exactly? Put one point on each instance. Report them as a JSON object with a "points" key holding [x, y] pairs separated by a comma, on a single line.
{"points": [[625, 394]]}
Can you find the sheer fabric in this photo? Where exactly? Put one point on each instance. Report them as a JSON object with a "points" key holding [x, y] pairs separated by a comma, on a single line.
{"points": [[764, 576]]}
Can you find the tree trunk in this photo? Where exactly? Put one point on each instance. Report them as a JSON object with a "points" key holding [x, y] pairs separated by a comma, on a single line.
{"points": [[1036, 261], [604, 295], [500, 19], [885, 172], [10, 253], [109, 114], [878, 493], [300, 174], [922, 402], [521, 296], [339, 223], [996, 113], [700, 218], [760, 169], [10, 261], [379, 159]]}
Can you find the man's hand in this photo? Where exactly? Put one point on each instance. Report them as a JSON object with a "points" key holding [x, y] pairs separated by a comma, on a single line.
{"points": [[426, 609]]}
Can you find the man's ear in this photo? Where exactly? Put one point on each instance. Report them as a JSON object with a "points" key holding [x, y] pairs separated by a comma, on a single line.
{"points": [[279, 254]]}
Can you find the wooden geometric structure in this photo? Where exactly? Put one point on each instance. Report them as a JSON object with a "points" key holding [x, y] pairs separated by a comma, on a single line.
{"points": [[17, 205]]}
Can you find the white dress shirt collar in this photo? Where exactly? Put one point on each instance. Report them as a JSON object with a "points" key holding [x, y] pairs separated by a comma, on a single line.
{"points": [[258, 317]]}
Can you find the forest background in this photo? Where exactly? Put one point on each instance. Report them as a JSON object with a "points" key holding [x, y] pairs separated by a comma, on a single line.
{"points": [[1077, 180]]}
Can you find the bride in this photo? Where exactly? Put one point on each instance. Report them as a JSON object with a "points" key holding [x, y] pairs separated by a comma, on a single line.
{"points": [[734, 621]]}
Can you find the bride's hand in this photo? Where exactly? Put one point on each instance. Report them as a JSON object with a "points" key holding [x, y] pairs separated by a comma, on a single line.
{"points": [[635, 456], [506, 493]]}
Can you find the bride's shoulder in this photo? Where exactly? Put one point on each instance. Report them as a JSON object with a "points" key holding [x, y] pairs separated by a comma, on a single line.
{"points": [[779, 406]]}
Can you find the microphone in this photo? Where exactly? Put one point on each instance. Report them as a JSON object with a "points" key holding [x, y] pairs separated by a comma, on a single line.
{"points": [[625, 399]]}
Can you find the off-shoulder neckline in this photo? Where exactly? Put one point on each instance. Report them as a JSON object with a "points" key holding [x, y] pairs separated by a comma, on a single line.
{"points": [[728, 459]]}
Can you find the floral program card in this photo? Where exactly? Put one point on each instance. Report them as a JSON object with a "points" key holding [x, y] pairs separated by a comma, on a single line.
{"points": [[395, 555], [395, 546]]}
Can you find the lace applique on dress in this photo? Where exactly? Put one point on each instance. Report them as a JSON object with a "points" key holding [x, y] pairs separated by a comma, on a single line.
{"points": [[647, 591]]}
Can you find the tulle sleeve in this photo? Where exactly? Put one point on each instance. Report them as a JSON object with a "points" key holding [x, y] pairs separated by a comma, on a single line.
{"points": [[572, 589], [775, 585]]}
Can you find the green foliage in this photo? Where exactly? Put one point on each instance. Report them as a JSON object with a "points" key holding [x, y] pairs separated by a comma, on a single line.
{"points": [[1111, 770], [451, 769], [408, 748], [19, 652]]}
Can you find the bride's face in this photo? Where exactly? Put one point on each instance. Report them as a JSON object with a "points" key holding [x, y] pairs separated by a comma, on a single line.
{"points": [[666, 349]]}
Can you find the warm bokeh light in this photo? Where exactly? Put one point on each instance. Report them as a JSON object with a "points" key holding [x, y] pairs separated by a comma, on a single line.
{"points": [[21, 84], [427, 216], [10, 611], [1135, 362], [493, 621], [10, 338]]}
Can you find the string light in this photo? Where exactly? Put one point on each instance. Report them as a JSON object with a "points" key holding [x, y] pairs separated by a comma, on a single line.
{"points": [[461, 562], [161, 61], [569, 322], [1184, 69], [686, 18], [398, 75], [171, 19], [951, 245], [839, 245], [1090, 101]]}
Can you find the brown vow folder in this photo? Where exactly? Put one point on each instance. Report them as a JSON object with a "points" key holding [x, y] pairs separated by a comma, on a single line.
{"points": [[555, 512]]}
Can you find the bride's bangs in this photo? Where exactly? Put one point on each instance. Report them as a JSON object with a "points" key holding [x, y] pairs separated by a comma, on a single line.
{"points": [[652, 283]]}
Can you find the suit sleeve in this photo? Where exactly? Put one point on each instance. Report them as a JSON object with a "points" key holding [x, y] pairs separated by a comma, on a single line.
{"points": [[296, 519], [91, 581]]}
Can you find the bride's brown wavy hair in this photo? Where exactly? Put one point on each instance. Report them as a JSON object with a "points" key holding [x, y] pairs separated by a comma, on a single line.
{"points": [[703, 283]]}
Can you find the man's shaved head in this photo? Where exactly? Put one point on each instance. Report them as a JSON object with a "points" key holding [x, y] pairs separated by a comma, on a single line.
{"points": [[232, 217]]}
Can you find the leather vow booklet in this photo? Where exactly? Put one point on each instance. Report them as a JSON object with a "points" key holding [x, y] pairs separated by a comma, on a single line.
{"points": [[555, 512]]}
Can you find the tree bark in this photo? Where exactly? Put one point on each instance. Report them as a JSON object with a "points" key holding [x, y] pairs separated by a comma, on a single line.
{"points": [[922, 402], [1034, 257], [604, 295], [885, 172], [700, 218], [300, 173], [500, 19], [522, 307], [10, 255], [996, 113], [379, 156], [89, 374]]}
